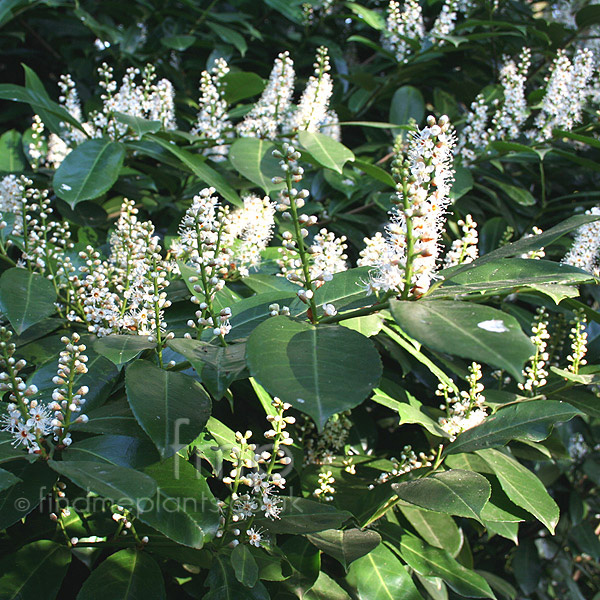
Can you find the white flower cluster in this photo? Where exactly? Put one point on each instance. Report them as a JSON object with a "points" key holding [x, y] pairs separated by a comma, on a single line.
{"points": [[578, 337], [406, 24], [584, 252], [464, 250], [126, 292], [465, 410], [150, 99], [409, 253], [212, 123], [409, 461], [510, 112], [577, 447], [254, 469], [29, 420], [273, 107], [322, 448], [535, 372], [308, 266], [567, 92], [325, 490]]}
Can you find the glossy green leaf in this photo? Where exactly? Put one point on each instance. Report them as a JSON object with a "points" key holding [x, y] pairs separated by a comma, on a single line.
{"points": [[381, 576], [522, 487], [588, 15], [370, 17], [325, 588], [224, 585], [311, 367], [244, 565], [12, 158], [35, 571], [26, 298], [120, 349], [375, 172], [325, 150], [138, 125], [171, 407], [118, 450], [407, 103], [346, 290], [438, 529], [119, 484], [345, 546], [229, 36], [369, 325], [89, 170], [197, 165], [112, 418], [532, 421], [125, 575], [300, 515], [184, 508], [241, 85], [527, 566], [468, 330], [19, 500], [7, 479], [510, 275], [253, 158], [435, 562], [455, 492], [8, 452]]}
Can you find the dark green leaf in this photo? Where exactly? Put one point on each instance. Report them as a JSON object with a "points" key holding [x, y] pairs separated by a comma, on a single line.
{"points": [[345, 546], [12, 159], [171, 407], [89, 170], [407, 103], [118, 450], [531, 421], [455, 492], [240, 85], [381, 576], [138, 125], [312, 367], [125, 575], [7, 479], [34, 571], [120, 349], [224, 586], [244, 565], [253, 158], [325, 150], [26, 298], [468, 330]]}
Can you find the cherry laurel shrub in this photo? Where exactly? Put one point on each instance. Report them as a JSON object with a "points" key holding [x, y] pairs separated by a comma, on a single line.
{"points": [[300, 300]]}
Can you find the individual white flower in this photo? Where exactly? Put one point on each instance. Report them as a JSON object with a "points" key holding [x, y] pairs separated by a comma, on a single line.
{"points": [[584, 252]]}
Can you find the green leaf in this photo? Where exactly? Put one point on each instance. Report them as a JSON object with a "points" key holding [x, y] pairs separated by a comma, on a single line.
{"points": [[184, 508], [197, 165], [346, 290], [112, 418], [288, 8], [224, 585], [119, 484], [531, 421], [435, 562], [455, 492], [527, 566], [120, 349], [171, 407], [138, 125], [118, 450], [8, 452], [522, 487], [407, 103], [244, 565], [381, 576], [89, 170], [217, 366], [369, 325], [38, 101], [325, 150], [588, 15], [178, 42], [26, 298], [468, 330], [253, 158], [51, 121], [325, 588], [12, 159], [300, 515], [375, 172], [312, 367], [241, 85], [229, 36], [35, 571], [510, 275], [19, 500], [345, 546], [7, 479], [370, 17], [438, 529], [125, 575]]}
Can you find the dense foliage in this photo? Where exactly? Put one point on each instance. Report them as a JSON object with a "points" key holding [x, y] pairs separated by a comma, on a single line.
{"points": [[298, 300]]}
